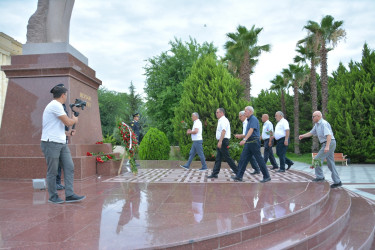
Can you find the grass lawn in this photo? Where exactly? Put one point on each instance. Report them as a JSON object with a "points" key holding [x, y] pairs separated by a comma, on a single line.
{"points": [[305, 158]]}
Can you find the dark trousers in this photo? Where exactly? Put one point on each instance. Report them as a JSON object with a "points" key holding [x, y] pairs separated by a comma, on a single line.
{"points": [[254, 164], [268, 153], [250, 150], [281, 153], [223, 153]]}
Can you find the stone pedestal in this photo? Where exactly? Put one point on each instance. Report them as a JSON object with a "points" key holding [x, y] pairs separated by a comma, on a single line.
{"points": [[108, 168], [31, 78]]}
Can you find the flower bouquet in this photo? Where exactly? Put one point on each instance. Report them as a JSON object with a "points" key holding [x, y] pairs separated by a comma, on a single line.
{"points": [[129, 139], [316, 163], [101, 157], [184, 125]]}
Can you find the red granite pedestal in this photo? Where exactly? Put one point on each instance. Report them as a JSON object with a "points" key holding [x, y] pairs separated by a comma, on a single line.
{"points": [[31, 77]]}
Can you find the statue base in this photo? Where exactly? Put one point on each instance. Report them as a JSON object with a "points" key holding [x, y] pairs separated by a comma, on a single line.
{"points": [[53, 48], [31, 77]]}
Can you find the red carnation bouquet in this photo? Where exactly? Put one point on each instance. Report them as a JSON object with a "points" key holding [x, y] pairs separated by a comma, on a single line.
{"points": [[130, 142]]}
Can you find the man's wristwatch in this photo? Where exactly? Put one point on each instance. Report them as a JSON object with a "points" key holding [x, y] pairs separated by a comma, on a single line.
{"points": [[244, 139]]}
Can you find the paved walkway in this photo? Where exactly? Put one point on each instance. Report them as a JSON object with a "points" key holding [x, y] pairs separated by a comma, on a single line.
{"points": [[359, 178]]}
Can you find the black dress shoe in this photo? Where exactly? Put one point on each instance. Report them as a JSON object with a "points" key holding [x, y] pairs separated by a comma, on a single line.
{"points": [[336, 185], [236, 179], [255, 172], [280, 171], [274, 168], [212, 176], [289, 165], [318, 179], [266, 180]]}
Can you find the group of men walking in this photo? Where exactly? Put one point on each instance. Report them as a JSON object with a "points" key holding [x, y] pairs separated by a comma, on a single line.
{"points": [[251, 140]]}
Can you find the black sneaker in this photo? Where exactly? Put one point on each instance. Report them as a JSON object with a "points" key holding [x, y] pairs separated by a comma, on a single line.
{"points": [[55, 199], [336, 185], [255, 172], [318, 179], [74, 198], [212, 176], [60, 187]]}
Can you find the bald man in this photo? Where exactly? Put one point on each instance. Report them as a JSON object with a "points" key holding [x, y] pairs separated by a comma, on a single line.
{"points": [[323, 130]]}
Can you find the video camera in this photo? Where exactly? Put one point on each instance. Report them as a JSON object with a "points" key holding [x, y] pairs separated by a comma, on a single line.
{"points": [[78, 104]]}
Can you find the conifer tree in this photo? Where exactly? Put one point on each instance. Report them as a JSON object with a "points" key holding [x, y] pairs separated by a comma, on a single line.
{"points": [[352, 109], [208, 87]]}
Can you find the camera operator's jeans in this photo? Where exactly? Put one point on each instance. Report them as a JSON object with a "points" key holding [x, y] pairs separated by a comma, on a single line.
{"points": [[55, 154]]}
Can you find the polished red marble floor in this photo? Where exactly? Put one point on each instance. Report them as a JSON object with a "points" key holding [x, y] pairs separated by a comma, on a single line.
{"points": [[150, 213]]}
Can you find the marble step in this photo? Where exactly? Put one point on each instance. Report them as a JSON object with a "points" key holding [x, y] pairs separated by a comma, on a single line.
{"points": [[309, 232], [359, 231], [285, 205]]}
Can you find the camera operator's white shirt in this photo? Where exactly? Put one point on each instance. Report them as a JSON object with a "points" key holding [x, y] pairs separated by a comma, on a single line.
{"points": [[53, 128]]}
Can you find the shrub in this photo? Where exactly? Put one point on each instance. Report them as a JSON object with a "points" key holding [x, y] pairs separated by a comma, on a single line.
{"points": [[154, 146]]}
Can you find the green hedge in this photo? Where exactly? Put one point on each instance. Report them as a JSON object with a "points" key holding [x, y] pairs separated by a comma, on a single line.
{"points": [[154, 146]]}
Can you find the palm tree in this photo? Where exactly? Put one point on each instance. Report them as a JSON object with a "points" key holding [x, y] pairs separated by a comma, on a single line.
{"points": [[280, 85], [326, 33], [309, 51], [242, 51], [297, 75]]}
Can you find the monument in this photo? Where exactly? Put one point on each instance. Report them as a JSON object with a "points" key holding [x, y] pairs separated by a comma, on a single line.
{"points": [[47, 60]]}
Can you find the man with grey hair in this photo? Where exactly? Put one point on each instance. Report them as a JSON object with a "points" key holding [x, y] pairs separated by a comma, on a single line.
{"points": [[267, 133], [281, 136], [197, 147], [251, 148], [243, 119], [323, 130]]}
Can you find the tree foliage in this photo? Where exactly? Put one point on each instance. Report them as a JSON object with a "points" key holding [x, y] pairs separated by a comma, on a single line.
{"points": [[242, 53], [209, 86], [164, 77], [112, 106], [351, 106]]}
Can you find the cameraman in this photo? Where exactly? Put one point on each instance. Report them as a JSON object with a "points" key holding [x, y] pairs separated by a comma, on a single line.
{"points": [[54, 147]]}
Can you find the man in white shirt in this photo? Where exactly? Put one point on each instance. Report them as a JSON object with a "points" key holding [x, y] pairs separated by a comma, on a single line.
{"points": [[323, 130], [54, 147], [197, 147], [267, 132], [223, 136], [281, 136], [253, 162]]}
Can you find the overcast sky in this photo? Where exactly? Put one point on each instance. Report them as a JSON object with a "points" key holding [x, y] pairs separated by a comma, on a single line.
{"points": [[117, 36]]}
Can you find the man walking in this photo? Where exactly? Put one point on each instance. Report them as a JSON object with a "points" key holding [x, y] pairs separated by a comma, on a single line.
{"points": [[252, 147], [197, 147], [253, 162], [267, 133], [323, 130], [54, 147], [223, 136], [282, 132]]}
